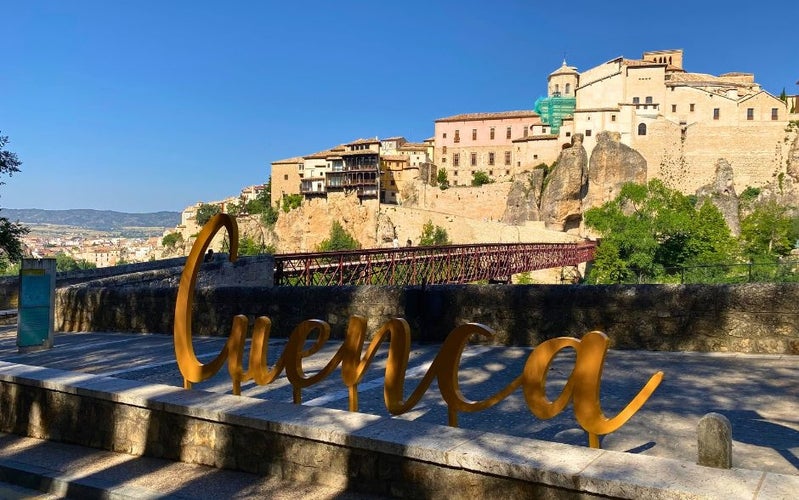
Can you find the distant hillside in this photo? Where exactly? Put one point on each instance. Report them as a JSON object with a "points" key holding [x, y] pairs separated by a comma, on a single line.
{"points": [[100, 220]]}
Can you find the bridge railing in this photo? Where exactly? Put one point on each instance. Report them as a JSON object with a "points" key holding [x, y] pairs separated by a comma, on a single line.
{"points": [[426, 264]]}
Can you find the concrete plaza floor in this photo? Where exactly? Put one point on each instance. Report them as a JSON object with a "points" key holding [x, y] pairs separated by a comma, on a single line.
{"points": [[759, 394]]}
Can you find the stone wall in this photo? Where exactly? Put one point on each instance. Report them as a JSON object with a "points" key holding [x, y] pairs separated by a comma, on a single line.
{"points": [[751, 318]]}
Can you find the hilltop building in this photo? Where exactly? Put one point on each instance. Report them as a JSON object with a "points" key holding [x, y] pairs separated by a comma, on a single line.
{"points": [[681, 122], [370, 168]]}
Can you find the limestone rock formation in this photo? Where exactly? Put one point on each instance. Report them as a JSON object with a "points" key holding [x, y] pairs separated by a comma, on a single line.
{"points": [[721, 192], [565, 188], [522, 204], [612, 165]]}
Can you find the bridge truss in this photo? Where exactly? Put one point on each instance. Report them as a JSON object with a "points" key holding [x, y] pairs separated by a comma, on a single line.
{"points": [[426, 265]]}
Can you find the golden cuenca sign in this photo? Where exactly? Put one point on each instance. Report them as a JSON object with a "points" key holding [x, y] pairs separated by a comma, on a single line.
{"points": [[582, 386]]}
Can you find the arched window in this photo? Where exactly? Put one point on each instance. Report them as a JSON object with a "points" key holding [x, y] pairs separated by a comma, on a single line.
{"points": [[642, 129], [557, 88], [568, 88]]}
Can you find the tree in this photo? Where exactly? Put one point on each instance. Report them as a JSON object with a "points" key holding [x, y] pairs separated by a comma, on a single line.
{"points": [[441, 178], [769, 231], [291, 201], [10, 232], [205, 212], [479, 178], [649, 231], [433, 235], [339, 239], [172, 239], [248, 246], [262, 204], [64, 263]]}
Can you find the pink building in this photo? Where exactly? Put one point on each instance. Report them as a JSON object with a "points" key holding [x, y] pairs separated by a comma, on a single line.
{"points": [[490, 142]]}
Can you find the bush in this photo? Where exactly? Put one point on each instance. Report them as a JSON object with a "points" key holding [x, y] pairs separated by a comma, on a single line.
{"points": [[433, 235], [339, 239]]}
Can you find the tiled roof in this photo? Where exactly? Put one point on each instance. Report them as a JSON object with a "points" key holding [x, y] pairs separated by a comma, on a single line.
{"points": [[359, 152], [414, 145], [397, 138], [489, 116], [294, 159], [363, 141]]}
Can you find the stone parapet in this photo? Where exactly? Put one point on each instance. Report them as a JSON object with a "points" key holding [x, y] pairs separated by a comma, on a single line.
{"points": [[360, 452], [749, 318]]}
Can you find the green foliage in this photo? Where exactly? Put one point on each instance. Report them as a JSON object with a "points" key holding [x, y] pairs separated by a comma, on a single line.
{"points": [[64, 262], [479, 178], [441, 178], [10, 232], [262, 204], [649, 230], [291, 201], [769, 231], [433, 235], [749, 195], [524, 279], [339, 239], [172, 239], [248, 246], [205, 212]]}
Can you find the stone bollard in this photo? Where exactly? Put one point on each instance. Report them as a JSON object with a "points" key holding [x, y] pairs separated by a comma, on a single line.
{"points": [[714, 441]]}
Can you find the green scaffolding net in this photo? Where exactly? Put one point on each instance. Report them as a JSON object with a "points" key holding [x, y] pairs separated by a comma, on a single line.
{"points": [[553, 109]]}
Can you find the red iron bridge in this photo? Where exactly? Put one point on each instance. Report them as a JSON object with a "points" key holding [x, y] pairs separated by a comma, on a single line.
{"points": [[422, 265]]}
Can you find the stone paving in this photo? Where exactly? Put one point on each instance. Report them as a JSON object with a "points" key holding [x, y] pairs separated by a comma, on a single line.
{"points": [[759, 394]]}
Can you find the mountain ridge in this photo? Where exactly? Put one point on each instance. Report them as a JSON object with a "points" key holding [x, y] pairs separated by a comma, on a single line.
{"points": [[101, 220]]}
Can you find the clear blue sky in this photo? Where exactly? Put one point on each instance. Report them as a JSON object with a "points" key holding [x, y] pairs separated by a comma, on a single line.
{"points": [[147, 105]]}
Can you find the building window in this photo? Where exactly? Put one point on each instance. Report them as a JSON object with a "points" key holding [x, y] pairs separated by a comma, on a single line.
{"points": [[286, 177], [444, 135], [507, 172], [455, 173], [491, 173], [457, 136], [692, 107], [473, 159], [612, 118], [535, 157], [443, 159], [507, 133], [716, 113], [557, 89], [642, 129], [588, 132], [649, 99], [568, 88], [507, 157], [443, 150], [492, 133], [636, 100], [673, 108], [525, 130], [456, 160], [474, 134], [774, 114], [750, 113], [568, 134], [543, 130], [490, 158]]}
